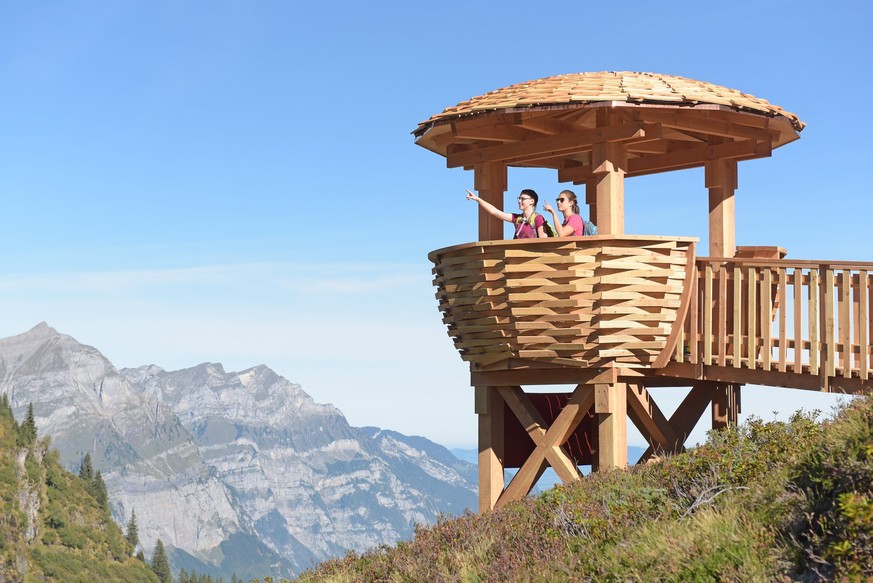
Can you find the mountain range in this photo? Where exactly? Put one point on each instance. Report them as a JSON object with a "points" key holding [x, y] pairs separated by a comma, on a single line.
{"points": [[235, 472]]}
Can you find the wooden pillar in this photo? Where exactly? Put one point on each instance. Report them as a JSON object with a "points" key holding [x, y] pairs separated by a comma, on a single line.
{"points": [[490, 181], [591, 199], [610, 413], [489, 408], [725, 405], [609, 160], [721, 180]]}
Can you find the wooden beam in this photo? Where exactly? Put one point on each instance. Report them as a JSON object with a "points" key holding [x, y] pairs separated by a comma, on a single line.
{"points": [[546, 146], [491, 133], [649, 418], [609, 161], [610, 406], [697, 156], [727, 127], [721, 180], [490, 180], [686, 415], [545, 376], [725, 405], [549, 440], [489, 408]]}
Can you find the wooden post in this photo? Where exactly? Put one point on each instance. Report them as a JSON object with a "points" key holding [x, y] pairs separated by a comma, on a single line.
{"points": [[609, 160], [721, 180], [489, 180], [725, 405], [489, 408], [609, 165], [591, 200], [610, 408]]}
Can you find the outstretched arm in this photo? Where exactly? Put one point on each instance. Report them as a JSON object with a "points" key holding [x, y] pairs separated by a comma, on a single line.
{"points": [[561, 230], [490, 208]]}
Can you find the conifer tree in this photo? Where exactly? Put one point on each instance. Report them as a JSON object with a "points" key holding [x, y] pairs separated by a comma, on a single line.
{"points": [[100, 491], [132, 534], [5, 408], [86, 472], [160, 563], [27, 431]]}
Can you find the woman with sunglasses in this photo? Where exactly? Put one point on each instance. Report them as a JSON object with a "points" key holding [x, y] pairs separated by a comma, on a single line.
{"points": [[528, 224], [573, 224]]}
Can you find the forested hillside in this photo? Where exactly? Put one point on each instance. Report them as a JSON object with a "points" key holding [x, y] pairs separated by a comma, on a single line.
{"points": [[771, 501], [55, 526]]}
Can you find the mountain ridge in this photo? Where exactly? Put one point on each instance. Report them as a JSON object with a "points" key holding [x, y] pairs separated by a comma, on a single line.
{"points": [[206, 456]]}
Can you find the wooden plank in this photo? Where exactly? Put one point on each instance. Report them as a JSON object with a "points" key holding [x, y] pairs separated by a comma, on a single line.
{"points": [[721, 321], [798, 318], [815, 344], [751, 314], [783, 319], [707, 314], [766, 319], [863, 325], [693, 327], [844, 306], [738, 317], [828, 325]]}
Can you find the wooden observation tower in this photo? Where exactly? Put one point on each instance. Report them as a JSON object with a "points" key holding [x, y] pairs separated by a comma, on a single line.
{"points": [[619, 314]]}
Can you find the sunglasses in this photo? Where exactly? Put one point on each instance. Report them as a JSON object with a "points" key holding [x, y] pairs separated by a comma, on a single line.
{"points": [[561, 200], [524, 198]]}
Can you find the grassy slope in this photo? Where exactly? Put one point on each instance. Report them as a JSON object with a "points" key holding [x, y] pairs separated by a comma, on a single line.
{"points": [[766, 501], [70, 538]]}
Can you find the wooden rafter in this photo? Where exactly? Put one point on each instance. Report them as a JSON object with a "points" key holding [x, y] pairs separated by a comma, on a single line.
{"points": [[545, 147]]}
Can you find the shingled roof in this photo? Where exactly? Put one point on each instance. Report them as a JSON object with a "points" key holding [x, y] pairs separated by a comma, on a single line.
{"points": [[611, 88]]}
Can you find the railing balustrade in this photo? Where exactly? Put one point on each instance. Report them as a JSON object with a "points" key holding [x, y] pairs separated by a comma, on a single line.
{"points": [[804, 317]]}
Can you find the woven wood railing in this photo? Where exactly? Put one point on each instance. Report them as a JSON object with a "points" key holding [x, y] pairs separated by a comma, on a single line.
{"points": [[577, 301]]}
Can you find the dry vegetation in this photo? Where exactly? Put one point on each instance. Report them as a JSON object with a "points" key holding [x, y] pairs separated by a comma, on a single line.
{"points": [[766, 501]]}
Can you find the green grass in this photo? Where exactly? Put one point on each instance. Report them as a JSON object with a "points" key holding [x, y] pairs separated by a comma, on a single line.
{"points": [[789, 501]]}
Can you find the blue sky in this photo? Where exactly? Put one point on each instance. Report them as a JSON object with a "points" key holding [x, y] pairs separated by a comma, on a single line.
{"points": [[237, 182]]}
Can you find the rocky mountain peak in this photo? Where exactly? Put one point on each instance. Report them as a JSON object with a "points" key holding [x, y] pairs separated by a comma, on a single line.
{"points": [[215, 461]]}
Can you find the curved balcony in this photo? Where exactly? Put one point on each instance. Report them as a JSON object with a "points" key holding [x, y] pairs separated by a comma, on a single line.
{"points": [[573, 301]]}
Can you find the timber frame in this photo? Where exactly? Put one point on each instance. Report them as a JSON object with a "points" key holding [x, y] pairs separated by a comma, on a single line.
{"points": [[617, 316]]}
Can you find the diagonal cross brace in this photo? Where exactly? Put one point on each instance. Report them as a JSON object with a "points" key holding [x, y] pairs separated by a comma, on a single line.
{"points": [[549, 440]]}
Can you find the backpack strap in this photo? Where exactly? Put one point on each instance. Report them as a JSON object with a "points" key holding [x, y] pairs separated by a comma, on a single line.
{"points": [[532, 219]]}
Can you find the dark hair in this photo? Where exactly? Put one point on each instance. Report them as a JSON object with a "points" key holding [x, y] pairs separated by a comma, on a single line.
{"points": [[572, 196], [531, 193]]}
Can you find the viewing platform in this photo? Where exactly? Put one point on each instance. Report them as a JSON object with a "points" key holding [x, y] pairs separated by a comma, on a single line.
{"points": [[619, 315]]}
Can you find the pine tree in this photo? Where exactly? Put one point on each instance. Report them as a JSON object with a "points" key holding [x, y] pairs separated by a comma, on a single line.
{"points": [[86, 472], [132, 535], [160, 563], [100, 491], [27, 431]]}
